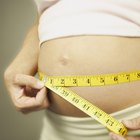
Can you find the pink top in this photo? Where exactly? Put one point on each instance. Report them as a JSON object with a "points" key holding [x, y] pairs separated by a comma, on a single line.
{"points": [[61, 18]]}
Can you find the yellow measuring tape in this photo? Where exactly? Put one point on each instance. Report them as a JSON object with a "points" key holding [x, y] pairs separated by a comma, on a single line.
{"points": [[58, 83]]}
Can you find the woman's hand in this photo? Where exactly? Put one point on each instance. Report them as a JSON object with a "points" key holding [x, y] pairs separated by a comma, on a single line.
{"points": [[28, 93], [133, 124]]}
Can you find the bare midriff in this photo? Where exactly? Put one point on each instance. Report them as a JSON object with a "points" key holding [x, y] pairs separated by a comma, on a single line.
{"points": [[91, 55]]}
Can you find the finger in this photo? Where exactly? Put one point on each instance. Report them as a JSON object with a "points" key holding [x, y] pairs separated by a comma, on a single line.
{"points": [[116, 137], [26, 80], [42, 98], [40, 102], [33, 109], [25, 102], [133, 137], [133, 124], [16, 95], [35, 102], [31, 92]]}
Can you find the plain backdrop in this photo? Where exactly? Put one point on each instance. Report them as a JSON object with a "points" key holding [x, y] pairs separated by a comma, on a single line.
{"points": [[16, 17]]}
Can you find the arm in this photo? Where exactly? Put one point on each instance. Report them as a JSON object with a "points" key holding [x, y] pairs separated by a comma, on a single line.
{"points": [[26, 60], [27, 93]]}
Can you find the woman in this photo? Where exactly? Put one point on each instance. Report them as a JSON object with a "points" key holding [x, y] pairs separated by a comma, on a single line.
{"points": [[79, 37]]}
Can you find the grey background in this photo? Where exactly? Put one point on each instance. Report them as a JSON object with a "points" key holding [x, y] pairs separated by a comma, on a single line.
{"points": [[16, 17]]}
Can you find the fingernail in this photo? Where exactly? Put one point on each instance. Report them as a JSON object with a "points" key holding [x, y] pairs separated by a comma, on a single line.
{"points": [[114, 137], [126, 122], [40, 84]]}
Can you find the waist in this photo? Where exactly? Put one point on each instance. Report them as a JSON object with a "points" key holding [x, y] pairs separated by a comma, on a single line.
{"points": [[93, 55], [77, 127]]}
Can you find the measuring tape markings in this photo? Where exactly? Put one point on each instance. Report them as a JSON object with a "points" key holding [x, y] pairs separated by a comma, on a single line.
{"points": [[56, 83], [93, 80], [93, 111]]}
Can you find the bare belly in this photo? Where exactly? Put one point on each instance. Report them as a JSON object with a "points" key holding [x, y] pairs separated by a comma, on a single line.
{"points": [[84, 55]]}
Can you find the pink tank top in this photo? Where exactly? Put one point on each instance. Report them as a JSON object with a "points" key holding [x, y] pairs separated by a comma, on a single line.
{"points": [[61, 18]]}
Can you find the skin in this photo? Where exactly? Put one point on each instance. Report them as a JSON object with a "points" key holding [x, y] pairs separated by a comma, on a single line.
{"points": [[133, 124], [89, 55], [29, 94]]}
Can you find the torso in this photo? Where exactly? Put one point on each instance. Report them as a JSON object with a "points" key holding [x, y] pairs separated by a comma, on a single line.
{"points": [[91, 55]]}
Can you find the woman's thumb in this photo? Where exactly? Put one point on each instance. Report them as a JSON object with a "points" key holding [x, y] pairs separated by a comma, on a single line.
{"points": [[27, 80], [133, 124]]}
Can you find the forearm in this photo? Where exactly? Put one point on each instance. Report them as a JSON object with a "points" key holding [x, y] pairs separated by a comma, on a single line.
{"points": [[27, 59]]}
